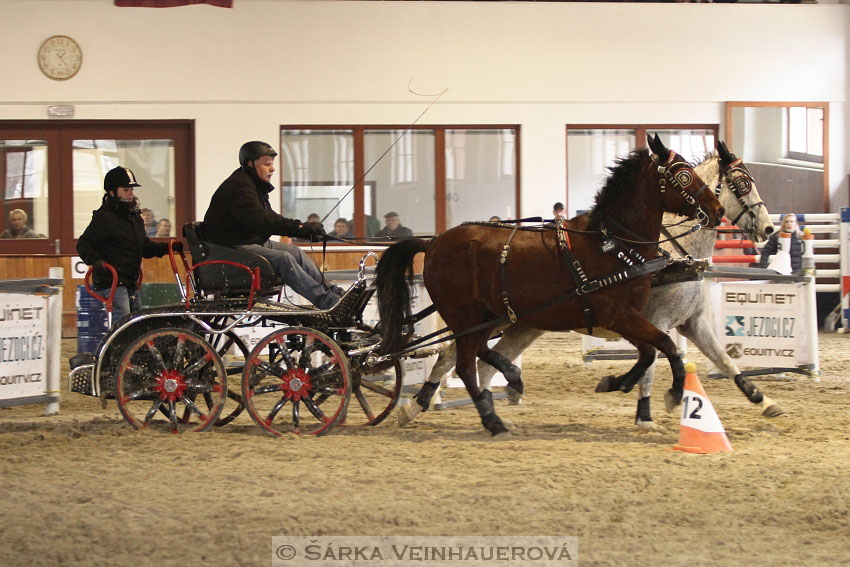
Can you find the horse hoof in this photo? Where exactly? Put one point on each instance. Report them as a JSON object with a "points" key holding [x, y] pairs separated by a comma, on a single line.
{"points": [[514, 397], [494, 424], [671, 401], [607, 384], [645, 425], [408, 413], [771, 408]]}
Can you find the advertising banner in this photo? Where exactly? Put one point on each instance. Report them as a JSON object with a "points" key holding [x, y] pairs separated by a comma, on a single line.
{"points": [[23, 345], [762, 324]]}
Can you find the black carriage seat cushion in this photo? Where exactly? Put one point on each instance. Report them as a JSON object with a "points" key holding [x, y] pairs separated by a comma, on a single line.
{"points": [[224, 278]]}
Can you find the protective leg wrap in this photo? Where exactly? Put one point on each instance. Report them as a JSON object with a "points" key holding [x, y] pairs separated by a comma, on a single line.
{"points": [[511, 371], [753, 394], [426, 394], [677, 367], [643, 414], [489, 419]]}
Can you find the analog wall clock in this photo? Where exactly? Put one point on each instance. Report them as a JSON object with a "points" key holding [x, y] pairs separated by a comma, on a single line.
{"points": [[60, 57]]}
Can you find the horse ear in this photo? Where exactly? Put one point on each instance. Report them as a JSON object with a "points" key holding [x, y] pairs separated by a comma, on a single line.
{"points": [[657, 147], [724, 153]]}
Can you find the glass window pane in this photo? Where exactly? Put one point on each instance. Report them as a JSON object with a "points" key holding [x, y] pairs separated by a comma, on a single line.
{"points": [[693, 145], [480, 175], [589, 155], [403, 179], [25, 206], [152, 161], [317, 172], [814, 131]]}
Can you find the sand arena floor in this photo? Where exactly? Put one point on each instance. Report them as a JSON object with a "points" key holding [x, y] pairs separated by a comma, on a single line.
{"points": [[82, 488]]}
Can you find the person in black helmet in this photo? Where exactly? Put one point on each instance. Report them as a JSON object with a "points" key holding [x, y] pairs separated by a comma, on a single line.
{"points": [[116, 235], [241, 216]]}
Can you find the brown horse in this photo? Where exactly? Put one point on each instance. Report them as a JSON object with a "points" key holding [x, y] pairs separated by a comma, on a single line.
{"points": [[593, 270]]}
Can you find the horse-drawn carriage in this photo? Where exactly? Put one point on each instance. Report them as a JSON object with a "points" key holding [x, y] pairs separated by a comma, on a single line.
{"points": [[175, 367], [168, 367]]}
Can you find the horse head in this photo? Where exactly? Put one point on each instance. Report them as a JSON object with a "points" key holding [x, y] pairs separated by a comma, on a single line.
{"points": [[738, 194], [689, 195]]}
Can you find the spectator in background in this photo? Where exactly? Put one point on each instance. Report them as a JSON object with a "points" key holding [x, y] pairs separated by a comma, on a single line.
{"points": [[494, 218], [342, 229], [789, 224], [150, 222], [18, 226], [163, 228], [393, 228], [312, 217], [558, 211]]}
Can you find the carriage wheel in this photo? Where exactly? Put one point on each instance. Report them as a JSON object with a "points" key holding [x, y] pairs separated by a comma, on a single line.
{"points": [[374, 396], [161, 374], [296, 380], [234, 365]]}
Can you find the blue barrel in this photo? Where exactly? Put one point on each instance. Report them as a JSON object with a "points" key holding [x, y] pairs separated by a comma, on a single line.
{"points": [[91, 321]]}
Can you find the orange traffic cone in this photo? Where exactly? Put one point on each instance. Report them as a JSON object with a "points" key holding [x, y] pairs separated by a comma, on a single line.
{"points": [[700, 430]]}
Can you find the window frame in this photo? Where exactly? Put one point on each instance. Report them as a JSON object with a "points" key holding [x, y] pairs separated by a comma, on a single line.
{"points": [[361, 168], [640, 130], [59, 135]]}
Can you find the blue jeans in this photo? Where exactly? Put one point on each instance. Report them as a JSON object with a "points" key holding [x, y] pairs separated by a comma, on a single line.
{"points": [[124, 302], [297, 270]]}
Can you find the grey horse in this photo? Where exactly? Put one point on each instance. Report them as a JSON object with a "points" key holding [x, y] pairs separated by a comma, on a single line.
{"points": [[678, 305]]}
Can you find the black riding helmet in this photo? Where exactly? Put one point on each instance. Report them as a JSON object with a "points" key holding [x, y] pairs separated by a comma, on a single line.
{"points": [[250, 151]]}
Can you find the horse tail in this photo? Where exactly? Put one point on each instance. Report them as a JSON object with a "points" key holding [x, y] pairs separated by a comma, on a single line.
{"points": [[393, 275]]}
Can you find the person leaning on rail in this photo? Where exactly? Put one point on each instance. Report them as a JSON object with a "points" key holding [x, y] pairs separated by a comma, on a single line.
{"points": [[789, 224]]}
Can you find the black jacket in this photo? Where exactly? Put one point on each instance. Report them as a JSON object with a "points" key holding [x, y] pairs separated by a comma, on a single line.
{"points": [[772, 247], [240, 212], [116, 234]]}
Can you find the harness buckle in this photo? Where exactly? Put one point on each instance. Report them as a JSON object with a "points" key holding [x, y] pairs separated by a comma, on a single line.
{"points": [[589, 287]]}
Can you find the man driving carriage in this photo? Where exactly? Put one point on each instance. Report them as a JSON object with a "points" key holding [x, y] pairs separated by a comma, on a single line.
{"points": [[240, 215]]}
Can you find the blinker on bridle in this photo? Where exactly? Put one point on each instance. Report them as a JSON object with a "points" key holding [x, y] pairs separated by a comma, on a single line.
{"points": [[740, 187], [680, 175]]}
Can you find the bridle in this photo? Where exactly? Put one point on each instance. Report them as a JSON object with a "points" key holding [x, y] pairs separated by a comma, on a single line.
{"points": [[679, 173], [740, 185]]}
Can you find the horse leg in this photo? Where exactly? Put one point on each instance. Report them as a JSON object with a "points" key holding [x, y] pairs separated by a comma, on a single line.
{"points": [[514, 341], [626, 382], [699, 332], [643, 415], [467, 348], [422, 399], [639, 330]]}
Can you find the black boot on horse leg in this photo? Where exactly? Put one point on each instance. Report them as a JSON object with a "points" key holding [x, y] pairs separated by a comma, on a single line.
{"points": [[492, 422], [511, 372], [626, 382], [771, 409]]}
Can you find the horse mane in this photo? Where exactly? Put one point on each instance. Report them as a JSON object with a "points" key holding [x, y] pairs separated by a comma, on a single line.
{"points": [[621, 179]]}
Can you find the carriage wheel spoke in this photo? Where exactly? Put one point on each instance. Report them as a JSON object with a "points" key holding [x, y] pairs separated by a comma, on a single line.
{"points": [[277, 407], [314, 409], [152, 412], [190, 406], [364, 404], [172, 416]]}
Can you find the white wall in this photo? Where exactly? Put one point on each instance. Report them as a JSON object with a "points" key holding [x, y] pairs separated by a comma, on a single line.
{"points": [[241, 72]]}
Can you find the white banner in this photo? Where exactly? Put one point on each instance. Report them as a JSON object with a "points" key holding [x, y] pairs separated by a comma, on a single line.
{"points": [[763, 324], [23, 345]]}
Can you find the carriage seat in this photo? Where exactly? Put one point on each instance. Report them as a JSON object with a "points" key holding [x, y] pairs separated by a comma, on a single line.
{"points": [[223, 279]]}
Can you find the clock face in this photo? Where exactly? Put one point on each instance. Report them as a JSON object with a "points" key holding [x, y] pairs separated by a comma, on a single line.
{"points": [[60, 57]]}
